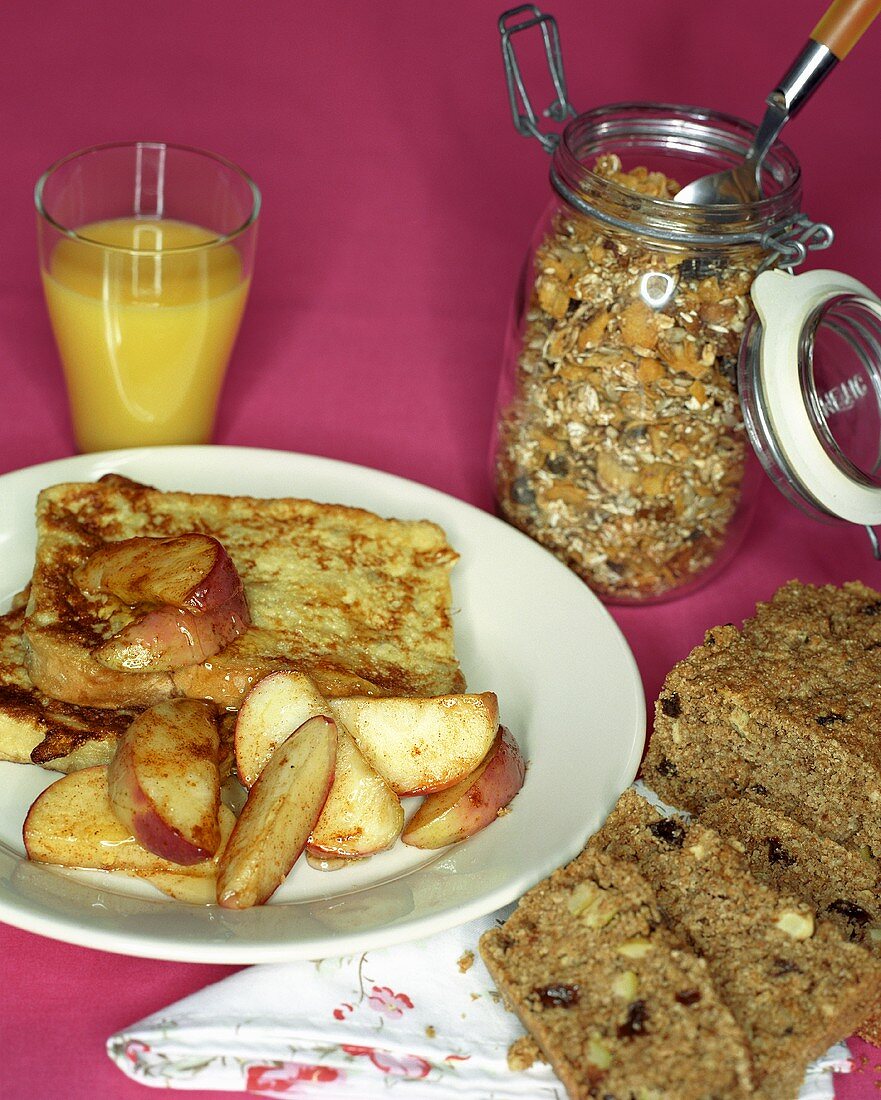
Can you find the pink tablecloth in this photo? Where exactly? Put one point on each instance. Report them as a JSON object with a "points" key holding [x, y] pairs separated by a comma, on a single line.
{"points": [[398, 203]]}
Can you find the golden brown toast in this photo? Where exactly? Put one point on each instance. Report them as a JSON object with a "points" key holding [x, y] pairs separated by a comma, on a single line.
{"points": [[39, 730], [330, 588]]}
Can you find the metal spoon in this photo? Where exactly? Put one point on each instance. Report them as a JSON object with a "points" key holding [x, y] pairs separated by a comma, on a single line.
{"points": [[838, 31]]}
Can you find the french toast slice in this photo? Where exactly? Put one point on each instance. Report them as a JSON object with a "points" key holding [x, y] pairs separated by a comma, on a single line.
{"points": [[329, 587], [35, 729]]}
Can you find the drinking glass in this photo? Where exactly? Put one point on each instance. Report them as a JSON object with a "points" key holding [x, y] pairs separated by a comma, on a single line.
{"points": [[146, 255]]}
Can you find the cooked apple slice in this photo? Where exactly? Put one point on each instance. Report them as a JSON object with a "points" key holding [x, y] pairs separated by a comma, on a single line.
{"points": [[282, 809], [192, 571], [421, 745], [362, 815], [168, 638], [72, 824], [200, 597], [272, 710], [471, 804], [164, 780]]}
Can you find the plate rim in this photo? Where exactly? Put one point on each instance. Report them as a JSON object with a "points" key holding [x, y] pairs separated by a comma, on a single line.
{"points": [[63, 928]]}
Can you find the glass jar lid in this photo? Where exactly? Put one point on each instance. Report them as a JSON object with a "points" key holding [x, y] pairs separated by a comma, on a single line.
{"points": [[810, 388]]}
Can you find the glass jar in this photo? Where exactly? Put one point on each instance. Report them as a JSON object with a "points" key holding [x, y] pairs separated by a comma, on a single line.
{"points": [[620, 443], [809, 379]]}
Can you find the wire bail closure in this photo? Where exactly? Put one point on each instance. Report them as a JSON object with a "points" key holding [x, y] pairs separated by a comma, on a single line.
{"points": [[525, 119], [788, 246]]}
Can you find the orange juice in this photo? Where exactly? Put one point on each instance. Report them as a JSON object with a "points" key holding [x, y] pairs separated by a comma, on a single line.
{"points": [[145, 328]]}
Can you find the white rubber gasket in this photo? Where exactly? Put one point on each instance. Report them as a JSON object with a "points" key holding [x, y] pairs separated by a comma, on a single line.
{"points": [[784, 302]]}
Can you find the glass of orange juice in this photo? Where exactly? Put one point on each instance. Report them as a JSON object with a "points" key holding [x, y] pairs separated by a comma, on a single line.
{"points": [[146, 254]]}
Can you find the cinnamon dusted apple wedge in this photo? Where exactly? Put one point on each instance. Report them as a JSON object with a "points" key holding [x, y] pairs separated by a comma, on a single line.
{"points": [[362, 815], [420, 745], [282, 809], [277, 705], [164, 780], [195, 597], [474, 802]]}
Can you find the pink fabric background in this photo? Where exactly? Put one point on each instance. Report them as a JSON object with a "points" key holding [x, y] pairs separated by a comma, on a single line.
{"points": [[398, 203]]}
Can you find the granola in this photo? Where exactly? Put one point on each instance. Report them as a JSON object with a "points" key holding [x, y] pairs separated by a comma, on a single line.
{"points": [[622, 448]]}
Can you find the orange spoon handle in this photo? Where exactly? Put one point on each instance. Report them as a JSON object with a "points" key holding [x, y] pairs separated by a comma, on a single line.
{"points": [[844, 24]]}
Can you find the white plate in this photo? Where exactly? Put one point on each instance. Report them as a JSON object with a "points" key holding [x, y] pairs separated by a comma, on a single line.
{"points": [[526, 628]]}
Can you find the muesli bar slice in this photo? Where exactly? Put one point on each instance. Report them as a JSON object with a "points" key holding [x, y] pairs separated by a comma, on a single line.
{"points": [[618, 1003], [783, 712], [793, 983]]}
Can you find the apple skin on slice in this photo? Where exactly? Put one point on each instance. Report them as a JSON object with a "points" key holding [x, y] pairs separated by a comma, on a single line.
{"points": [[460, 811], [72, 824], [194, 592], [420, 745], [183, 886], [282, 809], [169, 638], [164, 780]]}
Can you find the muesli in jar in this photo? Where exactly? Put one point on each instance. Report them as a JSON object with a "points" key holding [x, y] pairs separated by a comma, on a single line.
{"points": [[620, 444]]}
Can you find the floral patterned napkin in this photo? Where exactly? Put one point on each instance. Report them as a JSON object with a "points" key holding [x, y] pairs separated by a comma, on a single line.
{"points": [[422, 1015]]}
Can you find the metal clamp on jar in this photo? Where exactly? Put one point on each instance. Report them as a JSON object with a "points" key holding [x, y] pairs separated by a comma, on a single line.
{"points": [[621, 442]]}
